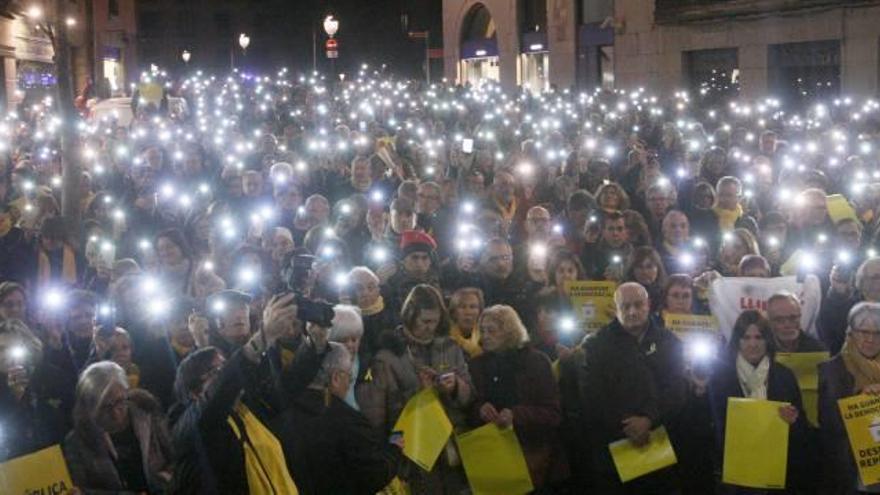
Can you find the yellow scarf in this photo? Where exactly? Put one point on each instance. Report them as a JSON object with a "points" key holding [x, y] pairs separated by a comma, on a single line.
{"points": [[375, 308], [727, 218], [506, 213], [263, 458], [68, 270], [133, 374], [470, 345], [864, 371]]}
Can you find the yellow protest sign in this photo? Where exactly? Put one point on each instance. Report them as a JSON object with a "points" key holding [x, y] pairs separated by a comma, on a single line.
{"points": [[683, 325], [755, 444], [493, 461], [805, 366], [593, 302], [861, 416], [839, 208], [425, 427], [43, 471], [633, 462]]}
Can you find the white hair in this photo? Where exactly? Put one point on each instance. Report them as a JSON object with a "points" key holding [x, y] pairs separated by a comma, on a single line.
{"points": [[347, 323], [362, 271], [284, 232], [93, 385]]}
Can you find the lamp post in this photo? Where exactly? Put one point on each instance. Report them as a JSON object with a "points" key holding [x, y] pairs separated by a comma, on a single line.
{"points": [[331, 27], [186, 55], [244, 41]]}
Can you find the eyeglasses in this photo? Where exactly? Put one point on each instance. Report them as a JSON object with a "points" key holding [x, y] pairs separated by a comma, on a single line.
{"points": [[786, 319], [866, 334], [502, 257], [114, 405]]}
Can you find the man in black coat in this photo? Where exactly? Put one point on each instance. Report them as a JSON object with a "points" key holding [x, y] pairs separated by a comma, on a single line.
{"points": [[632, 381], [329, 446], [784, 312]]}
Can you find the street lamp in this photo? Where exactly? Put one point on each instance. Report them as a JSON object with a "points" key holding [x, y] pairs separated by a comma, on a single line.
{"points": [[331, 25], [243, 41], [186, 55]]}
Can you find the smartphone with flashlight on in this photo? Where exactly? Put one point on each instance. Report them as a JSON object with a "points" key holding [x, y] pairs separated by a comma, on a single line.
{"points": [[467, 146]]}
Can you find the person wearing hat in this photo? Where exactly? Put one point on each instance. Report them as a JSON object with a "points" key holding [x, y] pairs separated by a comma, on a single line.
{"points": [[57, 261], [418, 265]]}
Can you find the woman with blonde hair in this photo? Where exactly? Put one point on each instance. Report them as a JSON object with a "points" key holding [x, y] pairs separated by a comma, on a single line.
{"points": [[514, 386], [735, 245], [465, 307], [611, 197]]}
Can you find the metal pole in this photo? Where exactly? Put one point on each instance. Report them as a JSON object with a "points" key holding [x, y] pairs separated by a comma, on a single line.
{"points": [[428, 56], [314, 49]]}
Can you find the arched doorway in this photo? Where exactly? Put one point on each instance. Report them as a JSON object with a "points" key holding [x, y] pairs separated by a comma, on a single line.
{"points": [[479, 48], [534, 57]]}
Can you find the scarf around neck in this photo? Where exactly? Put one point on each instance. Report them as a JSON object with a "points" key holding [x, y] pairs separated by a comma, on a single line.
{"points": [[727, 218], [864, 371], [753, 379], [374, 308], [470, 345]]}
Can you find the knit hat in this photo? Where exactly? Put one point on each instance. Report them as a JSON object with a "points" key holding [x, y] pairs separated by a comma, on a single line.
{"points": [[413, 241]]}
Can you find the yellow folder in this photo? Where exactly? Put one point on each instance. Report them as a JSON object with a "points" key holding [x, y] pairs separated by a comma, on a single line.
{"points": [[633, 462], [805, 366], [755, 444], [494, 462], [425, 427], [44, 471]]}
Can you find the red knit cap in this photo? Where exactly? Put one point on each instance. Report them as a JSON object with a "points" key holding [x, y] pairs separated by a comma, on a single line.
{"points": [[415, 240]]}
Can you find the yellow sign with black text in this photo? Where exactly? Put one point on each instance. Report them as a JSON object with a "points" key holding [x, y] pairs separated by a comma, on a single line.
{"points": [[593, 302], [861, 416], [43, 472]]}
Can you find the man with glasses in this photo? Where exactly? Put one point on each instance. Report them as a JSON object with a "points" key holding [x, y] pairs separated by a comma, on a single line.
{"points": [[784, 311]]}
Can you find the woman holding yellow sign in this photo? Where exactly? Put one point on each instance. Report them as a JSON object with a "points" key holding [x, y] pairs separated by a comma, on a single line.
{"points": [[416, 356], [855, 370], [514, 387], [751, 372]]}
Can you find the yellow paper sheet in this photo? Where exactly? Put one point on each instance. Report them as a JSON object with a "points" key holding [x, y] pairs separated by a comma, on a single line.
{"points": [[681, 324], [425, 427], [861, 417], [633, 462], [839, 208], [805, 366], [593, 302], [755, 444], [43, 471], [493, 461]]}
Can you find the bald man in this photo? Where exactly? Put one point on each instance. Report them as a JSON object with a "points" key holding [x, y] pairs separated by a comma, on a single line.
{"points": [[633, 382]]}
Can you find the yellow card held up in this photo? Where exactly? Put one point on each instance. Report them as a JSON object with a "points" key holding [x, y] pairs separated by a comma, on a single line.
{"points": [[755, 444], [593, 302], [493, 461], [840, 209], [44, 471], [805, 366], [861, 417], [683, 325], [634, 462], [425, 427]]}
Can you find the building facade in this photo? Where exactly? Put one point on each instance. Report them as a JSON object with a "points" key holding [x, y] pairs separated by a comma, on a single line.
{"points": [[790, 49], [102, 50]]}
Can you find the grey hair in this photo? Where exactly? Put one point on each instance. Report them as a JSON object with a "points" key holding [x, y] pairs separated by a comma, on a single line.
{"points": [[91, 391], [516, 333], [863, 311], [337, 358], [860, 273], [783, 295], [729, 179], [347, 323], [362, 270]]}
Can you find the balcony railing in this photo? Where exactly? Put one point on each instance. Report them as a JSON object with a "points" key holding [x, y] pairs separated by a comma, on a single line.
{"points": [[680, 11]]}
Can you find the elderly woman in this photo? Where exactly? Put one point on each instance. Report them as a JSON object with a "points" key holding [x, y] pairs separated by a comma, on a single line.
{"points": [[329, 446], [751, 372], [415, 356], [465, 307], [119, 442], [376, 315], [514, 386], [35, 397], [855, 370], [348, 330]]}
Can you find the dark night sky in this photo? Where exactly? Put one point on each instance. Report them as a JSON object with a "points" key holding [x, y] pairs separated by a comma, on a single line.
{"points": [[370, 31]]}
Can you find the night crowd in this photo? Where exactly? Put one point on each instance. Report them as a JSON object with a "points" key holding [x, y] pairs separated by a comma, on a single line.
{"points": [[264, 277]]}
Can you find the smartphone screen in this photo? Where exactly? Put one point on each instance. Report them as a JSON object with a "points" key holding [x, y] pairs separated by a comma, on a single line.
{"points": [[467, 145]]}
